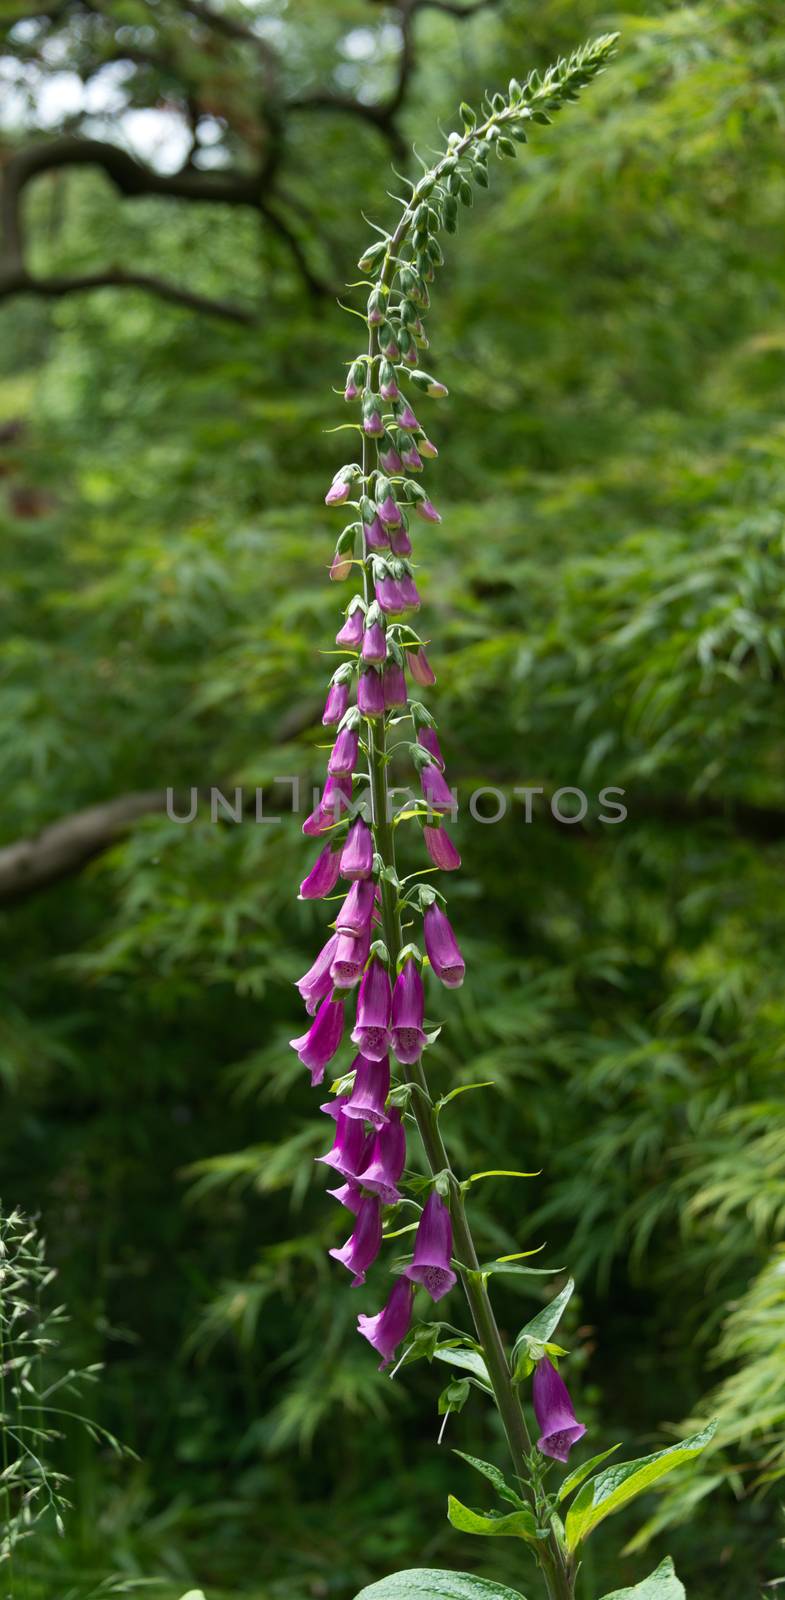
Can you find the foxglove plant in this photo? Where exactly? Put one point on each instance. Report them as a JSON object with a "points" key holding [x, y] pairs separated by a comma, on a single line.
{"points": [[375, 1107]]}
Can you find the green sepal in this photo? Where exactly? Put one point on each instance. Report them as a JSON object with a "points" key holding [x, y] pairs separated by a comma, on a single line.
{"points": [[504, 1490]]}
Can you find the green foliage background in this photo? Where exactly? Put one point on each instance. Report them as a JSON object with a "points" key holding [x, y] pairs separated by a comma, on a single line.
{"points": [[605, 601]]}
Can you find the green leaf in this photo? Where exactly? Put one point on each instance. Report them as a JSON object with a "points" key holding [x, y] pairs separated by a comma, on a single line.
{"points": [[502, 1172], [426, 1583], [463, 1088], [547, 1321], [660, 1585], [504, 1264], [617, 1485], [513, 1525], [577, 1477], [468, 1361], [494, 1476]]}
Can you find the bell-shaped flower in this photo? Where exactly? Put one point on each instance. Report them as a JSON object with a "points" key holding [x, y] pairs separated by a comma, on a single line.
{"points": [[427, 510], [408, 1006], [374, 648], [323, 876], [338, 491], [316, 982], [390, 595], [336, 705], [343, 756], [336, 797], [390, 1326], [374, 1012], [390, 511], [349, 637], [400, 543], [371, 1088], [356, 912], [433, 1249], [441, 849], [442, 947], [349, 957], [376, 536], [394, 685], [387, 1159], [317, 1047], [364, 1243], [420, 668], [373, 427], [435, 788], [429, 740], [410, 593], [351, 1147], [357, 853], [389, 458], [349, 1194], [370, 694], [406, 417], [556, 1419]]}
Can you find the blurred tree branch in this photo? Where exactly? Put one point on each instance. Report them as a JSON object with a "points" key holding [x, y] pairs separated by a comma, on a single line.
{"points": [[262, 135]]}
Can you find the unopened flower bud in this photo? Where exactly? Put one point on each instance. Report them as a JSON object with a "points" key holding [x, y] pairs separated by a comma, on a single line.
{"points": [[374, 648], [370, 694], [394, 684], [427, 510], [355, 381], [420, 667], [349, 637], [406, 418], [389, 457], [427, 448], [429, 385], [388, 387], [400, 543], [441, 849]]}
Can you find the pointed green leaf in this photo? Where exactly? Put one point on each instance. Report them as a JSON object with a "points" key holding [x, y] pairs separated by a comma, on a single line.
{"points": [[617, 1485], [494, 1476], [660, 1585], [467, 1361], [426, 1583], [547, 1321], [577, 1477], [513, 1525]]}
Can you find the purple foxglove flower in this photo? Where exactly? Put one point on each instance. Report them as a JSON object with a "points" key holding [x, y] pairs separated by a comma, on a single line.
{"points": [[420, 667], [412, 460], [429, 740], [435, 788], [376, 537], [370, 694], [343, 756], [338, 491], [400, 543], [349, 637], [323, 876], [374, 1010], [386, 1330], [427, 510], [317, 1047], [408, 1006], [394, 684], [409, 593], [351, 1147], [556, 1419], [389, 596], [351, 392], [349, 1195], [349, 957], [442, 946], [387, 1158], [371, 1088], [336, 796], [336, 705], [373, 427], [406, 417], [390, 459], [374, 647], [390, 390], [364, 1244], [433, 1249], [340, 567], [316, 983], [356, 912], [441, 849], [427, 448], [357, 853], [390, 512]]}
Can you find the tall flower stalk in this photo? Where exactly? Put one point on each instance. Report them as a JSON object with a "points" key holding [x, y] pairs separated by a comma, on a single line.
{"points": [[390, 931]]}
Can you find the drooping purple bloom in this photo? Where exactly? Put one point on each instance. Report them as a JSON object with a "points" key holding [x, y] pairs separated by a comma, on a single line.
{"points": [[317, 1047], [553, 1408], [376, 537], [387, 1159], [429, 739], [390, 459], [386, 1330], [390, 512], [373, 426], [323, 876], [406, 417], [338, 491], [374, 1011], [336, 796], [349, 637], [408, 1006], [357, 853], [343, 756], [340, 566], [364, 1243], [410, 593], [336, 705], [394, 685], [389, 389], [389, 595], [420, 667], [349, 957], [441, 849], [374, 647], [411, 459], [400, 543], [349, 1195], [356, 912], [433, 1250], [442, 947], [370, 1091], [427, 510], [436, 789], [316, 982], [351, 391], [351, 1146], [370, 694]]}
